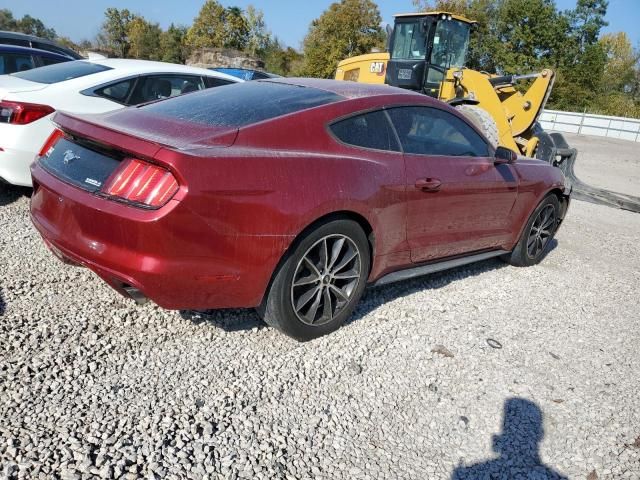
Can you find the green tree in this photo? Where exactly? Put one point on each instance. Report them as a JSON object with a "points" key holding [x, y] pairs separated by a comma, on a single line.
{"points": [[144, 39], [453, 6], [216, 26], [172, 44], [34, 26], [259, 37], [587, 19], [27, 24], [282, 60], [621, 77], [7, 21], [345, 29], [581, 64], [621, 66], [529, 35], [236, 29], [114, 33]]}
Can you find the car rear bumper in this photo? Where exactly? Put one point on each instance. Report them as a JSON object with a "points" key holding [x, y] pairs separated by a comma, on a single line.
{"points": [[14, 166], [19, 145], [170, 256]]}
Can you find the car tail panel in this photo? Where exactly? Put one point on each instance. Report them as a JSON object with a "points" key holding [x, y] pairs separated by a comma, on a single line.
{"points": [[78, 165]]}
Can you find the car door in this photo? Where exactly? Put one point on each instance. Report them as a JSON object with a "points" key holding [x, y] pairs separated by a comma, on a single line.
{"points": [[458, 201]]}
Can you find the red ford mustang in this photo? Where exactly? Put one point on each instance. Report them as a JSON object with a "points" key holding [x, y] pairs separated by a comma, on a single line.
{"points": [[286, 195]]}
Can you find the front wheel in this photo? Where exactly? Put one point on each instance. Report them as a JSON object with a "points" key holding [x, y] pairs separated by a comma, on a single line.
{"points": [[537, 235], [320, 282]]}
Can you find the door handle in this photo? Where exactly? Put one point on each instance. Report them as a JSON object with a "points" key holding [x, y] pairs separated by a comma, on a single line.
{"points": [[428, 184]]}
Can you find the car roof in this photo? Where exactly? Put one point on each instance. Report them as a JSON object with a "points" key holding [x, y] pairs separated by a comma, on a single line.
{"points": [[131, 66], [33, 38], [350, 90], [32, 51], [22, 36]]}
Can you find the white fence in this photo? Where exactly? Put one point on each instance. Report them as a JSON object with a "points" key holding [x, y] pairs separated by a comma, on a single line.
{"points": [[589, 124]]}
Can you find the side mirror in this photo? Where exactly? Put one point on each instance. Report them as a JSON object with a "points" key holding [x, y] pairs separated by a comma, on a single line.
{"points": [[504, 155]]}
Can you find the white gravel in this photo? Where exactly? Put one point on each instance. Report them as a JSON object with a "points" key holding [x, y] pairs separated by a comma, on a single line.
{"points": [[92, 386]]}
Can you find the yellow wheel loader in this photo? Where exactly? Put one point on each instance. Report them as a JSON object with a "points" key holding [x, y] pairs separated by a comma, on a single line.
{"points": [[427, 53]]}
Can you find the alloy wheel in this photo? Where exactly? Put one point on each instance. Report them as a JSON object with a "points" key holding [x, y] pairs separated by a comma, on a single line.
{"points": [[325, 279], [541, 231]]}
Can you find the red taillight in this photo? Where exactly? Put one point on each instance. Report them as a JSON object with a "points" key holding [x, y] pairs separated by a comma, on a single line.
{"points": [[143, 183], [51, 142], [20, 113]]}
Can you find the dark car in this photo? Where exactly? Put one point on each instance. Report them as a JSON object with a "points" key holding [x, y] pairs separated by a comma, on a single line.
{"points": [[246, 73], [287, 195], [18, 59], [31, 41]]}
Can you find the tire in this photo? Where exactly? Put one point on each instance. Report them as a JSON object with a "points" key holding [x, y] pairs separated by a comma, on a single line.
{"points": [[290, 308], [483, 121], [527, 253]]}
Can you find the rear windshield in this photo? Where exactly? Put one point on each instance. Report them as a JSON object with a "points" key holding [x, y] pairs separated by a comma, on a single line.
{"points": [[241, 104], [61, 72]]}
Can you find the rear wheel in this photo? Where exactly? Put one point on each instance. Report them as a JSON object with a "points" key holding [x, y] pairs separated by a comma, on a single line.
{"points": [[321, 281], [537, 235], [482, 120]]}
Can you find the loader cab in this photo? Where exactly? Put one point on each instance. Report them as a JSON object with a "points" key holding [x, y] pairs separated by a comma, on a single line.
{"points": [[423, 47]]}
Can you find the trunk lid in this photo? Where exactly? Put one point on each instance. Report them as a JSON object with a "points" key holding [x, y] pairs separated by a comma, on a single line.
{"points": [[161, 131], [10, 85], [81, 164], [95, 145]]}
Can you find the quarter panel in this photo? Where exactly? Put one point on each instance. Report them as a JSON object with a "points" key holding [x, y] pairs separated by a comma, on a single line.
{"points": [[535, 180]]}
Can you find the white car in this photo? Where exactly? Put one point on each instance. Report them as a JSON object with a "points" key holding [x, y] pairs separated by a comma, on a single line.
{"points": [[29, 99]]}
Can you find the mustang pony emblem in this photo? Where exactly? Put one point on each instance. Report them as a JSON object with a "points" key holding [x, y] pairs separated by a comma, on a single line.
{"points": [[69, 156]]}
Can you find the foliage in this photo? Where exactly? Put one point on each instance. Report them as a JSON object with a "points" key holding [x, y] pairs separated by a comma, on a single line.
{"points": [[173, 48], [27, 24], [345, 29], [259, 37], [216, 26], [114, 34], [144, 39], [282, 60], [621, 78]]}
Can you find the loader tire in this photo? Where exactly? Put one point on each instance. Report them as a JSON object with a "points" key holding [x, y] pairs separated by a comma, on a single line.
{"points": [[482, 120]]}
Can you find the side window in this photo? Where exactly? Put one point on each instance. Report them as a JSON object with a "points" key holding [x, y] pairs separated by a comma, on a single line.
{"points": [[211, 82], [50, 61], [431, 131], [11, 63], [369, 130], [15, 41], [158, 87], [118, 92]]}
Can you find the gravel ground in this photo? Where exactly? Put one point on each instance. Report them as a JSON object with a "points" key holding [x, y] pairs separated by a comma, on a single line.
{"points": [[524, 373], [608, 163]]}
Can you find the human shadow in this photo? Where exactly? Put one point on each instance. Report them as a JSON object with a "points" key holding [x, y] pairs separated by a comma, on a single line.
{"points": [[517, 447], [233, 320], [3, 305], [11, 193]]}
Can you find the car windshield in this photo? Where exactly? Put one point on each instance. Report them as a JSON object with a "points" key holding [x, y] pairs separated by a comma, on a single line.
{"points": [[61, 72], [409, 41], [450, 44], [241, 104]]}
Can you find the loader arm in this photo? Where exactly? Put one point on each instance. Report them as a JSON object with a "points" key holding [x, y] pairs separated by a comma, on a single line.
{"points": [[524, 109]]}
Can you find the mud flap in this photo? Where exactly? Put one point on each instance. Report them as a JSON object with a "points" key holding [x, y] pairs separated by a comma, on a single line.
{"points": [[553, 148]]}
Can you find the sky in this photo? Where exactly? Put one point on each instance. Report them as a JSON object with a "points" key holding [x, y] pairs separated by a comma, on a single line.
{"points": [[288, 19]]}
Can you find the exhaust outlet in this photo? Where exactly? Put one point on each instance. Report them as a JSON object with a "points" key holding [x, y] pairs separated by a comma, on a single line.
{"points": [[135, 294]]}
